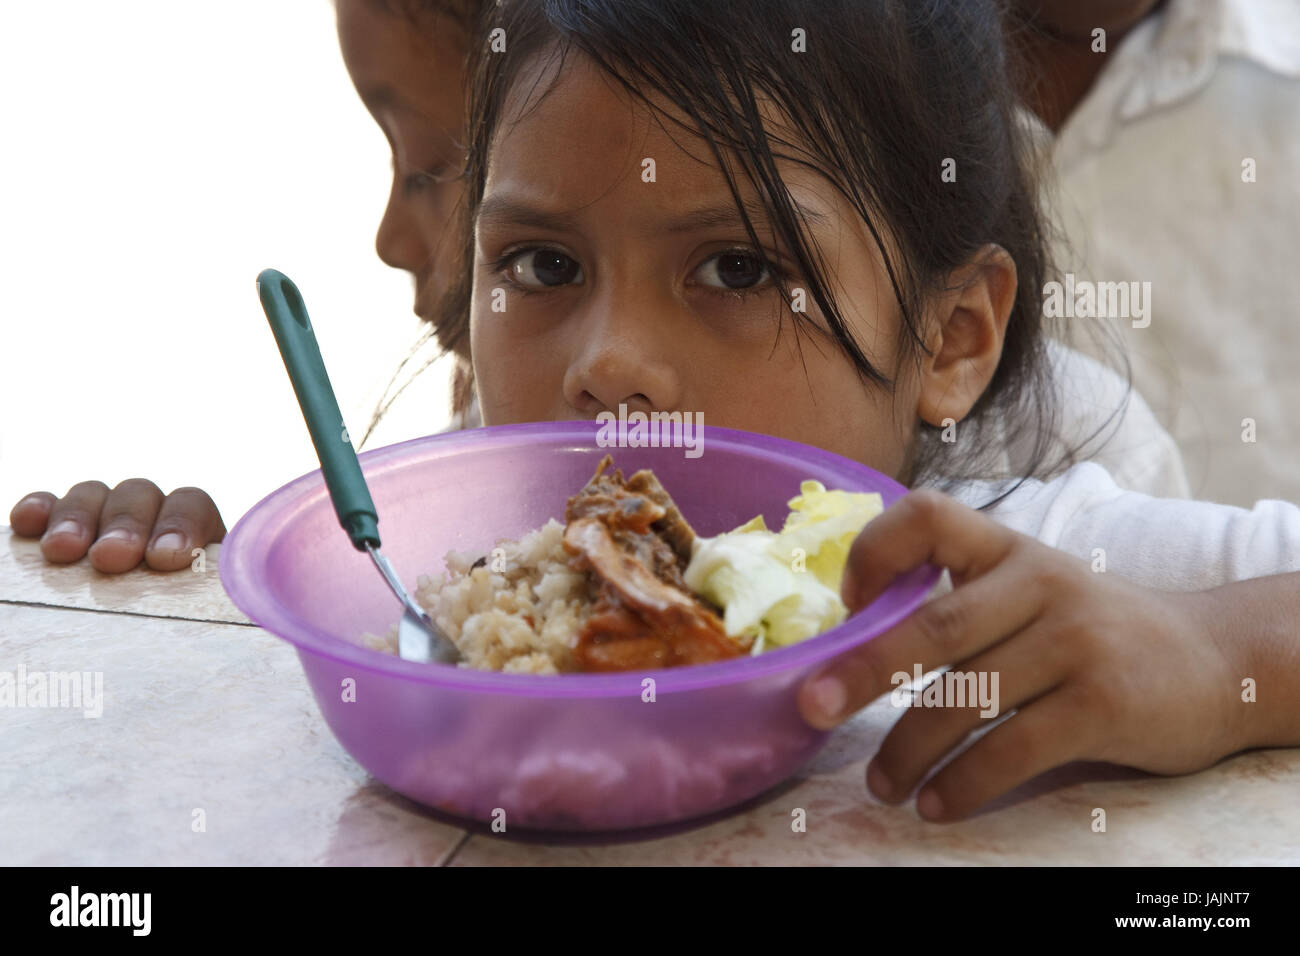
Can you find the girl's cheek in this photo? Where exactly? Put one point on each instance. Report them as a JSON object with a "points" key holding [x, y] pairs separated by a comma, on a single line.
{"points": [[811, 399], [488, 357], [849, 417], [513, 375]]}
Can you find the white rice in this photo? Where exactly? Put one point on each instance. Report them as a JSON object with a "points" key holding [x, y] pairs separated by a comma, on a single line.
{"points": [[520, 613]]}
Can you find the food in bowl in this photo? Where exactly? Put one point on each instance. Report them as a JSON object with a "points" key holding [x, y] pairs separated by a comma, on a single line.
{"points": [[625, 583], [577, 751]]}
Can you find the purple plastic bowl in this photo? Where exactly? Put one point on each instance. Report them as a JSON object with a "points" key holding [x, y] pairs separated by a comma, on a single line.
{"points": [[569, 752]]}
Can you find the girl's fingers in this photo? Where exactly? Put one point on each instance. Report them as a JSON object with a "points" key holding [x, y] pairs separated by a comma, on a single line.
{"points": [[188, 519], [1043, 735], [949, 628], [1009, 675], [29, 517], [125, 522], [73, 521], [922, 527]]}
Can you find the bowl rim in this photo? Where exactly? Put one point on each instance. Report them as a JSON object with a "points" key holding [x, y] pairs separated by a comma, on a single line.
{"points": [[238, 571]]}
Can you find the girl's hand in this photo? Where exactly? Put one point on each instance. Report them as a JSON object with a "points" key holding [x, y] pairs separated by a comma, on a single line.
{"points": [[119, 527], [1097, 668]]}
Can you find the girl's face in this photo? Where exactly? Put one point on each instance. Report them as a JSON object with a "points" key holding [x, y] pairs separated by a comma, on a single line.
{"points": [[594, 286], [411, 78]]}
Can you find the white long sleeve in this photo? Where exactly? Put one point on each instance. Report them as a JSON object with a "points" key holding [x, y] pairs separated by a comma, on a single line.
{"points": [[1166, 543]]}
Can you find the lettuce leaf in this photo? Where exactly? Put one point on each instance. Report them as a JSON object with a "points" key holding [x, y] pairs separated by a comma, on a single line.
{"points": [[823, 525], [782, 587]]}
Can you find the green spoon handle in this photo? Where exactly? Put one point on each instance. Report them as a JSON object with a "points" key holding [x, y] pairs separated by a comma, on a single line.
{"points": [[287, 314]]}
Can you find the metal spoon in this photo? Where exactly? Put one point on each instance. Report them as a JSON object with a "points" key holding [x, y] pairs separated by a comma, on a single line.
{"points": [[418, 638]]}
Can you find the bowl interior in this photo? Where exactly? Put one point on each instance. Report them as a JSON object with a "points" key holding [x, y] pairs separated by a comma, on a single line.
{"points": [[290, 566]]}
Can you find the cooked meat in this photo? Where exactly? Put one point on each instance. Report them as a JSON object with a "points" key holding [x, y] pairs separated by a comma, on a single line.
{"points": [[634, 544], [649, 506], [671, 526]]}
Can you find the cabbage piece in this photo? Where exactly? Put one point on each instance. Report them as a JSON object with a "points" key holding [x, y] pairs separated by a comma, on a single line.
{"points": [[761, 595], [823, 524], [779, 588]]}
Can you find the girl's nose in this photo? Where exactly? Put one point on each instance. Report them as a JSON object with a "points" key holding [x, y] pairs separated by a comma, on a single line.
{"points": [[399, 241], [621, 363]]}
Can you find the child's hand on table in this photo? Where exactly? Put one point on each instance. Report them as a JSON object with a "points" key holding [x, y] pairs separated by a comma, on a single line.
{"points": [[1098, 668], [121, 526]]}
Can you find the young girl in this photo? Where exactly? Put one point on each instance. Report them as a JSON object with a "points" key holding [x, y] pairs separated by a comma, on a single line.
{"points": [[407, 59], [651, 187], [797, 155]]}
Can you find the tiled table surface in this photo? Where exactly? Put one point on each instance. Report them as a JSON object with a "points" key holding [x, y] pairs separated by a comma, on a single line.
{"points": [[205, 712]]}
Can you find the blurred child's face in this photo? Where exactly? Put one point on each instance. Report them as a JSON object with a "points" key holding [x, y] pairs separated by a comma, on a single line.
{"points": [[618, 290], [411, 78]]}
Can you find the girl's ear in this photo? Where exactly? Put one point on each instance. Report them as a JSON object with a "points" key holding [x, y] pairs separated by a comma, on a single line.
{"points": [[965, 344]]}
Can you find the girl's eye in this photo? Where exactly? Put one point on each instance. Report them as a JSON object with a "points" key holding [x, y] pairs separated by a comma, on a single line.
{"points": [[415, 182], [733, 270], [425, 178], [543, 268]]}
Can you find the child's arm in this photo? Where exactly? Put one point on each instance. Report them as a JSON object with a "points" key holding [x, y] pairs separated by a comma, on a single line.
{"points": [[119, 527], [1098, 667]]}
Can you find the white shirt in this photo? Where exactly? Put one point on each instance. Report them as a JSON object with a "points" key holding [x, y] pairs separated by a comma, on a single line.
{"points": [[1150, 188], [1162, 543], [1109, 423]]}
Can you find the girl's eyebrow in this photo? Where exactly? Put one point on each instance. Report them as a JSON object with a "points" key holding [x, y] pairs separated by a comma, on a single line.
{"points": [[726, 214], [504, 210]]}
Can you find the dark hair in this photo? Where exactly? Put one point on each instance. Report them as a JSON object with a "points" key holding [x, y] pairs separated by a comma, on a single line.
{"points": [[888, 91]]}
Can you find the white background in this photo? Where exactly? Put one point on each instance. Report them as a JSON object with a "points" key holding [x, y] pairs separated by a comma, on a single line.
{"points": [[155, 156]]}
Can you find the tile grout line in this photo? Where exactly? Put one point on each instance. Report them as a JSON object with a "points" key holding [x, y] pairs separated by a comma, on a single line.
{"points": [[443, 861], [100, 610], [451, 854]]}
